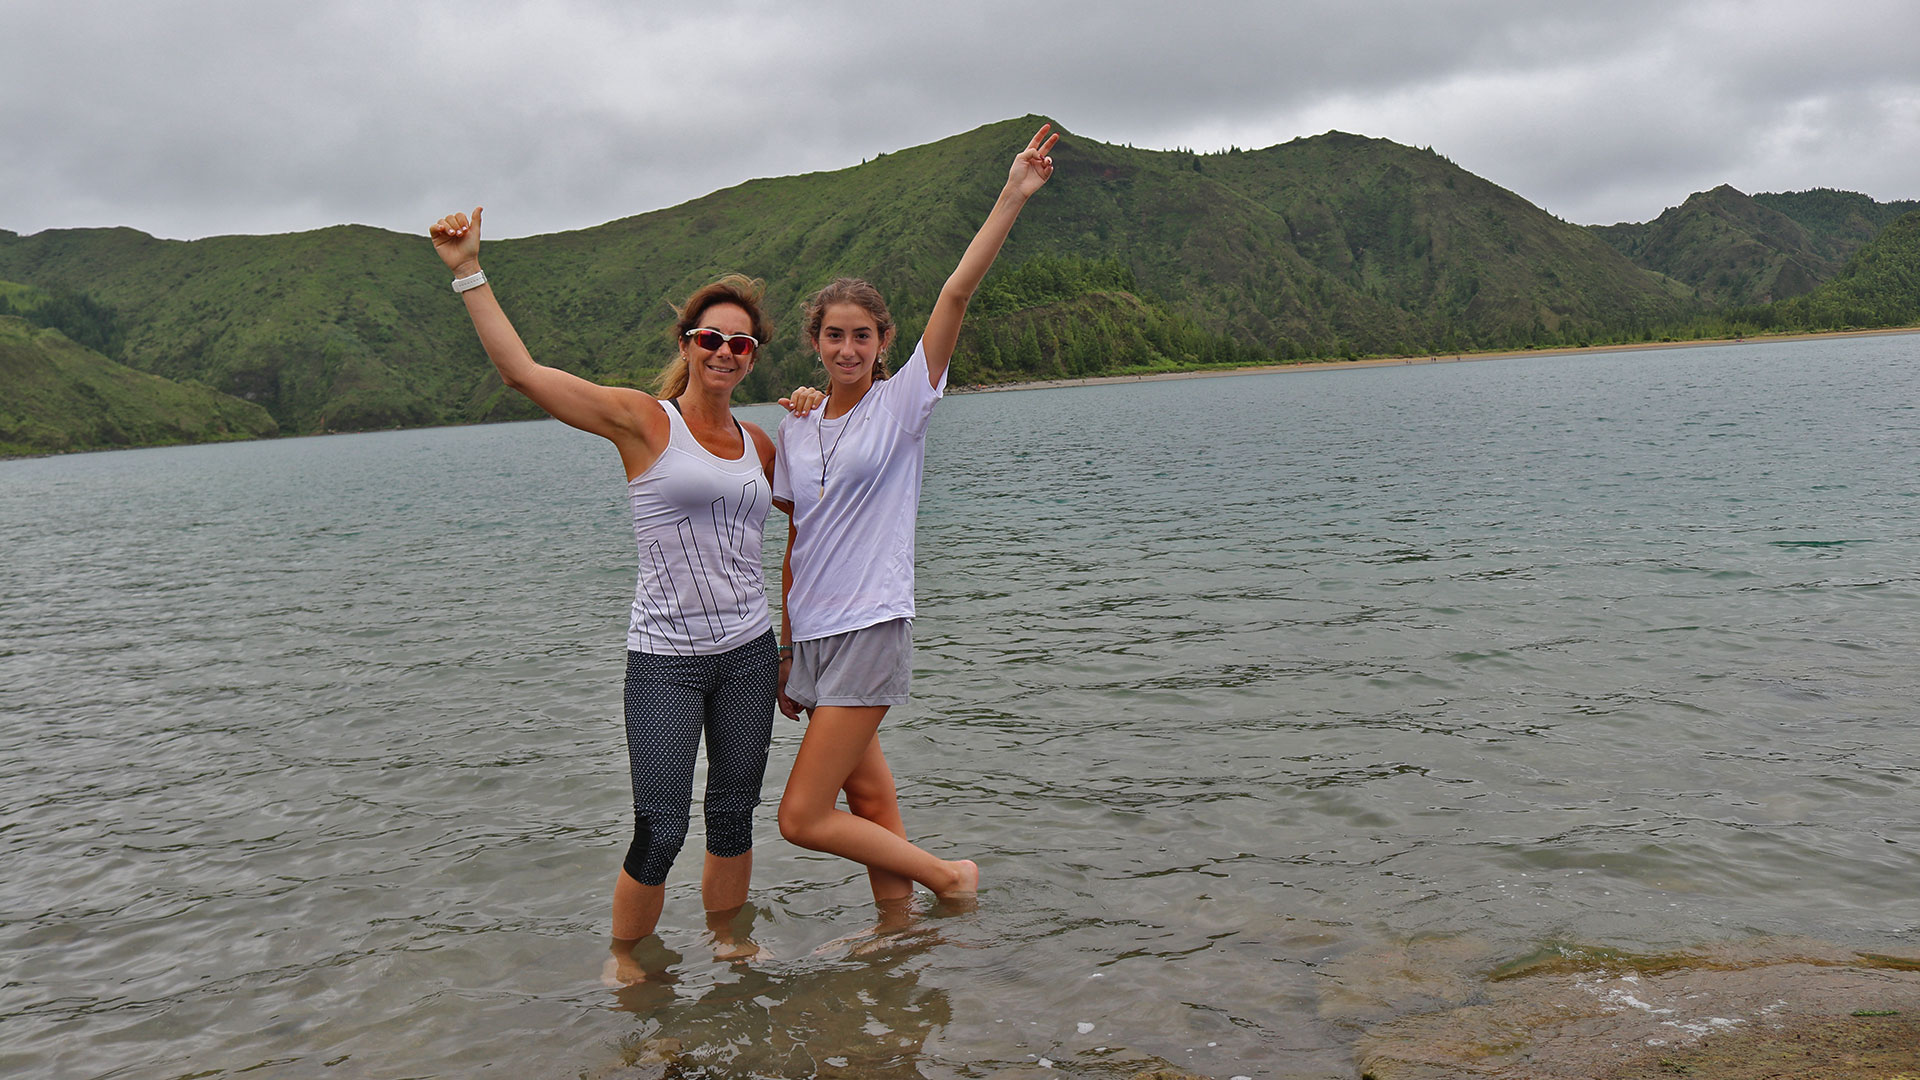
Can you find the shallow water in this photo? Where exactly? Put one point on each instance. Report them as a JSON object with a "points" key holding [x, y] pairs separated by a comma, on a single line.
{"points": [[311, 761]]}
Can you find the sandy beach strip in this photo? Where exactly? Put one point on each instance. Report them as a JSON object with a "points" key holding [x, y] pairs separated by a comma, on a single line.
{"points": [[1431, 358]]}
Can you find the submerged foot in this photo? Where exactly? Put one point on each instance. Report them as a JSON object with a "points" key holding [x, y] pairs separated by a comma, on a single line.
{"points": [[731, 932], [622, 971], [739, 950], [635, 962], [899, 927]]}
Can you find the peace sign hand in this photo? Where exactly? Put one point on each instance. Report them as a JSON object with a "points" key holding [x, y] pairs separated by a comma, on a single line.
{"points": [[1033, 167]]}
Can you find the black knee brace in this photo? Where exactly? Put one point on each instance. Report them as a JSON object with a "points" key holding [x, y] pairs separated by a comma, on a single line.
{"points": [[654, 847]]}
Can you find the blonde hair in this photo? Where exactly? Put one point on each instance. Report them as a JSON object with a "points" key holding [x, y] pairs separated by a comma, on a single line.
{"points": [[857, 291], [733, 289]]}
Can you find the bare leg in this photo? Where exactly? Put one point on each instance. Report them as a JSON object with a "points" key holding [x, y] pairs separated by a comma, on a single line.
{"points": [[871, 795], [723, 882], [723, 889], [636, 911], [836, 742]]}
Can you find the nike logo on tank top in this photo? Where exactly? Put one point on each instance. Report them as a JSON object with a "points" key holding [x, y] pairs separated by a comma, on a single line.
{"points": [[697, 521]]}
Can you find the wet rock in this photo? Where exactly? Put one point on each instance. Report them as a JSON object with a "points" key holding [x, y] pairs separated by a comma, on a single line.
{"points": [[1844, 1048], [1582, 1014], [638, 1059], [1418, 976]]}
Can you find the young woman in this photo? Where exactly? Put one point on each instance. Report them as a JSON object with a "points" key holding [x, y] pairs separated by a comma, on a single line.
{"points": [[701, 655], [849, 477]]}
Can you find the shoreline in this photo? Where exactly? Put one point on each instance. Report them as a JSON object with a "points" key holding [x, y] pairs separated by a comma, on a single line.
{"points": [[1158, 376], [1431, 358]]}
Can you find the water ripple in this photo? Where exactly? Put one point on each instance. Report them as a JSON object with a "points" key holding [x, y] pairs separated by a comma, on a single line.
{"points": [[312, 762]]}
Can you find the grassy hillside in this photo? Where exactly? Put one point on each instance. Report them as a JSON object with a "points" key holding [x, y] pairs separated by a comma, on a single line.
{"points": [[343, 328], [61, 396], [84, 321], [1130, 260], [1879, 287], [1203, 263], [1740, 251], [1467, 263], [1840, 222], [1732, 249], [352, 327]]}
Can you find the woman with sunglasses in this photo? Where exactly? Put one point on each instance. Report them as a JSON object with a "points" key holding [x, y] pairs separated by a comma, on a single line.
{"points": [[849, 479], [700, 645]]}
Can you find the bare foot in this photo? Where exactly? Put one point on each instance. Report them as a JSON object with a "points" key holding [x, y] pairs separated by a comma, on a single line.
{"points": [[877, 942], [969, 882], [635, 962], [731, 932], [742, 949], [899, 927], [622, 971]]}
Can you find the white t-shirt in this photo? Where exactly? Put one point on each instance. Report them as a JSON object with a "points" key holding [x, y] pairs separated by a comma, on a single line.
{"points": [[854, 482]]}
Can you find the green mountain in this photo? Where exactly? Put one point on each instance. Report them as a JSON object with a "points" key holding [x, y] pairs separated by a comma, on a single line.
{"points": [[1130, 261], [84, 321], [1737, 250], [343, 328], [1879, 287], [1729, 247], [1467, 263], [1841, 222], [62, 396]]}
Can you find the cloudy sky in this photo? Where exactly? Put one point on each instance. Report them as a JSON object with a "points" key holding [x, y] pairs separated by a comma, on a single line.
{"points": [[190, 118]]}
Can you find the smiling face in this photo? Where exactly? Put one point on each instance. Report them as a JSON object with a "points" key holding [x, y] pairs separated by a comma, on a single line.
{"points": [[848, 342], [719, 370]]}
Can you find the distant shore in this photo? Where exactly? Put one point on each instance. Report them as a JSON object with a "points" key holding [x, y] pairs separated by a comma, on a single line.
{"points": [[1428, 358], [1200, 373]]}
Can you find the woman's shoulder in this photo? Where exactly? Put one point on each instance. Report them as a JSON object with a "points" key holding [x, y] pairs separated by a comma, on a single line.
{"points": [[915, 359], [908, 392], [646, 416], [916, 363]]}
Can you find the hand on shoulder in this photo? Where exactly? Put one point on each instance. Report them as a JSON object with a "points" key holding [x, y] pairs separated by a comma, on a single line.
{"points": [[803, 400]]}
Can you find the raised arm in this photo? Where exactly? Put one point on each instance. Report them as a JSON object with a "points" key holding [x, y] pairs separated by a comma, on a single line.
{"points": [[1031, 170], [617, 413]]}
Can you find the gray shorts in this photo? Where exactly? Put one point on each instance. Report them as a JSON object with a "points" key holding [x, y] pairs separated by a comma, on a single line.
{"points": [[869, 666]]}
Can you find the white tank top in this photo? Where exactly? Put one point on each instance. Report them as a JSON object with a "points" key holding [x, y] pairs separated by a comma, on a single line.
{"points": [[697, 519]]}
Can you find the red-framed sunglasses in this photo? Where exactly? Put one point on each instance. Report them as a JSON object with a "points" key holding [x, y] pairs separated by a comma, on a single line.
{"points": [[714, 340]]}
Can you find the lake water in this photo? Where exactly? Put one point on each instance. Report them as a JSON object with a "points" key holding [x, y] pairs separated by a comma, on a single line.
{"points": [[311, 762]]}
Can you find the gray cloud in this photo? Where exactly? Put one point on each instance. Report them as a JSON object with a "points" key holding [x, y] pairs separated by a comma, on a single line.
{"points": [[200, 117]]}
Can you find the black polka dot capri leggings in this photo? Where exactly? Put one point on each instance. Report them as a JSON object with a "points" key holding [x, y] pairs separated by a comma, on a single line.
{"points": [[671, 700]]}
